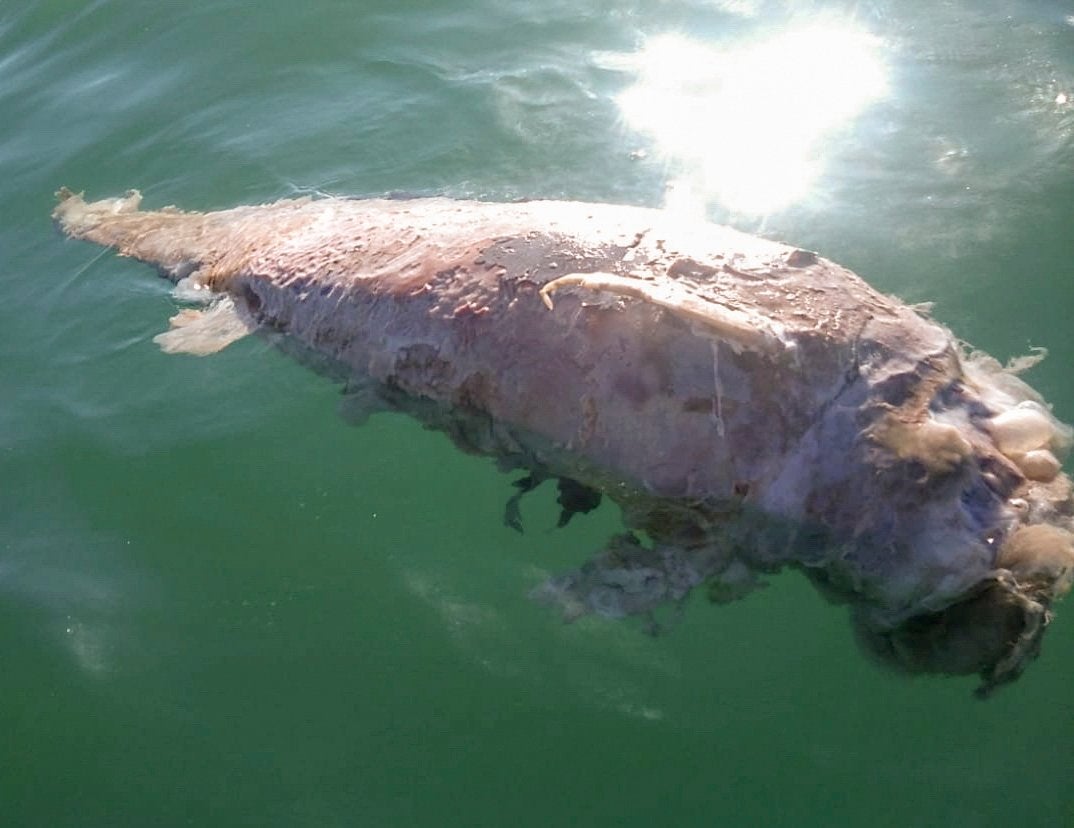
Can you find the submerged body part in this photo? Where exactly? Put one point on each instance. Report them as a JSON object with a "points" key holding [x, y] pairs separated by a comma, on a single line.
{"points": [[749, 405]]}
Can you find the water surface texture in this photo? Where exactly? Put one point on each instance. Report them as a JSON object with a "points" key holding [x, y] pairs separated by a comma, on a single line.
{"points": [[223, 604]]}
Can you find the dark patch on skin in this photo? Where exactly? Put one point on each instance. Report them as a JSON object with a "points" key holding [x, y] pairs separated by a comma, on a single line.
{"points": [[980, 501], [1000, 475], [955, 395], [698, 405], [421, 365], [691, 268], [475, 392], [251, 299], [298, 284], [632, 388], [896, 389], [801, 258], [913, 390], [540, 257]]}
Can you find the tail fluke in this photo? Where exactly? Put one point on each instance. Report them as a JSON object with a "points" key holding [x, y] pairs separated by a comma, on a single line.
{"points": [[181, 245], [172, 240]]}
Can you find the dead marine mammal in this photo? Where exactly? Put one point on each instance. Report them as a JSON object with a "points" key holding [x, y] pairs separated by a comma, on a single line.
{"points": [[749, 405]]}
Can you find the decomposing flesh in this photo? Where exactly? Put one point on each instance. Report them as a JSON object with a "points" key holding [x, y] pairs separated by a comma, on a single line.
{"points": [[750, 406]]}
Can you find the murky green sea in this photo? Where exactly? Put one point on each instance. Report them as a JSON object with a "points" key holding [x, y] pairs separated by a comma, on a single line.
{"points": [[221, 604]]}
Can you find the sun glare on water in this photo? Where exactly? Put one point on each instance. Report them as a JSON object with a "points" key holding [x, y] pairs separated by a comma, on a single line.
{"points": [[744, 126]]}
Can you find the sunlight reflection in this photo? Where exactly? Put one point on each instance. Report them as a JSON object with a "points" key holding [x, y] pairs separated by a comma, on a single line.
{"points": [[744, 124]]}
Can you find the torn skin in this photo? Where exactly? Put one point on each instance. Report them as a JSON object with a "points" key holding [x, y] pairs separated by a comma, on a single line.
{"points": [[750, 406]]}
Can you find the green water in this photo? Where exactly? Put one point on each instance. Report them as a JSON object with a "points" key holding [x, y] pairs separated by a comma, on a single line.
{"points": [[220, 604]]}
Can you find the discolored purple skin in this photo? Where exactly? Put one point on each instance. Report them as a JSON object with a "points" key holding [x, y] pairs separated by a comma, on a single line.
{"points": [[748, 404]]}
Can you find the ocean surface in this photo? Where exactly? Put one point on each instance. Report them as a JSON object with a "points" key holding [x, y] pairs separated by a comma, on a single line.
{"points": [[222, 604]]}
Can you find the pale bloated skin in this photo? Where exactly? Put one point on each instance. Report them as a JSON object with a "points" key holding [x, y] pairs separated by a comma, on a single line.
{"points": [[749, 405]]}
